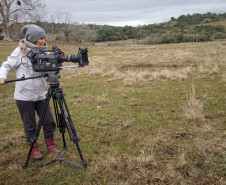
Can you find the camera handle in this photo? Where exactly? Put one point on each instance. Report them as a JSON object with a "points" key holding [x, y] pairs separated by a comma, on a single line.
{"points": [[23, 78]]}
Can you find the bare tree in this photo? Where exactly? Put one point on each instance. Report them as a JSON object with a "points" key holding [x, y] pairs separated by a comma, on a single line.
{"points": [[59, 17], [82, 33], [12, 11], [74, 32], [68, 27]]}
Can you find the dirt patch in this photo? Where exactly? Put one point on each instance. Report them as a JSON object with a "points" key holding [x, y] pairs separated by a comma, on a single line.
{"points": [[214, 116], [183, 135], [149, 65]]}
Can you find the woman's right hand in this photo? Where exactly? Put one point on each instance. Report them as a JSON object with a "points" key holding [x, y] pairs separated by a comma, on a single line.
{"points": [[2, 81]]}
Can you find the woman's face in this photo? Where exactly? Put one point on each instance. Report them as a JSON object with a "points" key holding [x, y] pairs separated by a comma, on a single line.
{"points": [[41, 41]]}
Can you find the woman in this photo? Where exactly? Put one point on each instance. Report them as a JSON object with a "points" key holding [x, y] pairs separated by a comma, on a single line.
{"points": [[30, 94]]}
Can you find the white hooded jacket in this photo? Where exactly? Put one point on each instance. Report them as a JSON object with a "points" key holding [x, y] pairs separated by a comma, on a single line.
{"points": [[27, 90]]}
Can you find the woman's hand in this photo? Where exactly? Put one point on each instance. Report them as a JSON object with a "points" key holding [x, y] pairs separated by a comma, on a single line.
{"points": [[2, 81], [63, 53]]}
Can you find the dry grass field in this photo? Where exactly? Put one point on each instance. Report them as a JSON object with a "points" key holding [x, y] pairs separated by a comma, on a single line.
{"points": [[145, 115]]}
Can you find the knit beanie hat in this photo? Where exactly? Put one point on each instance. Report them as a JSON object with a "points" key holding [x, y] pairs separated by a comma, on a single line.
{"points": [[32, 32]]}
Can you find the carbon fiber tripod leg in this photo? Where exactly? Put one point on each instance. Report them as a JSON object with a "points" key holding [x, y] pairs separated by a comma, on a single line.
{"points": [[61, 109]]}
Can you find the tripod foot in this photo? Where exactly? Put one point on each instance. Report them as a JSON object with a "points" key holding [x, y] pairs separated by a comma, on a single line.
{"points": [[24, 166], [84, 164]]}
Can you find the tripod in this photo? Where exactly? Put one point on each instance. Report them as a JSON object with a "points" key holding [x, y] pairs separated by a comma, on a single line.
{"points": [[63, 120]]}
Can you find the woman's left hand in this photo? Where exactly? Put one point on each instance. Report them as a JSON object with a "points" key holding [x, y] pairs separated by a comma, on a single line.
{"points": [[63, 53]]}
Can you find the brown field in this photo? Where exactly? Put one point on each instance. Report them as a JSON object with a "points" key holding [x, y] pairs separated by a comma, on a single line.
{"points": [[145, 115]]}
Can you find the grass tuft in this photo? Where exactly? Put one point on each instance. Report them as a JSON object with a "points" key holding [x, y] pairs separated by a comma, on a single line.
{"points": [[194, 108]]}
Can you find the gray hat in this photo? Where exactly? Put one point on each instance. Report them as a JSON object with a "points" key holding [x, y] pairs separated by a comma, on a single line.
{"points": [[32, 32]]}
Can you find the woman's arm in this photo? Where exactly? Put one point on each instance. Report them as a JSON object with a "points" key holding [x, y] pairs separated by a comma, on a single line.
{"points": [[12, 63]]}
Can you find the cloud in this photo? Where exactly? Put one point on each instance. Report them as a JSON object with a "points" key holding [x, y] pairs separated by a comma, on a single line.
{"points": [[132, 12]]}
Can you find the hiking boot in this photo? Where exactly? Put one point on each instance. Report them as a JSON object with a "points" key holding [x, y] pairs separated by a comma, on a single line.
{"points": [[35, 153], [51, 147]]}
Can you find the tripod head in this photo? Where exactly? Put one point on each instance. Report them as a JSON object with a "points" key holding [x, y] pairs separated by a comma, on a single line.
{"points": [[53, 78]]}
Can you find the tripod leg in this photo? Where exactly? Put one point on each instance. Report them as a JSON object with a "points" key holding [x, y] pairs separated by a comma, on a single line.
{"points": [[24, 166], [75, 138], [60, 122], [38, 128], [68, 121], [84, 164]]}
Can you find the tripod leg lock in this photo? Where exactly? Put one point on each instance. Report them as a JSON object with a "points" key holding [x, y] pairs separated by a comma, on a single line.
{"points": [[34, 139], [75, 139]]}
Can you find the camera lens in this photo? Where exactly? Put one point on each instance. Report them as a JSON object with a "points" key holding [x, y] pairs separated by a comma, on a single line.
{"points": [[70, 58]]}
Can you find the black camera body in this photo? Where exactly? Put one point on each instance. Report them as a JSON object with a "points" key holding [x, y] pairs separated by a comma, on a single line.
{"points": [[44, 61]]}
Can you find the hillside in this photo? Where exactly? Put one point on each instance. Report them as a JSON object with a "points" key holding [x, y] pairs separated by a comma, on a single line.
{"points": [[185, 28], [216, 23]]}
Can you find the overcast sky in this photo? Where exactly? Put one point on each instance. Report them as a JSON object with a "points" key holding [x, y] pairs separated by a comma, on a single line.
{"points": [[130, 12]]}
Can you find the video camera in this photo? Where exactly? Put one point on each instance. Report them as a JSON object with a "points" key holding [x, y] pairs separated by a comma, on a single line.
{"points": [[44, 61]]}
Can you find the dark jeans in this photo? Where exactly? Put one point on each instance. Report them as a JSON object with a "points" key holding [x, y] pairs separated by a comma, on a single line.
{"points": [[27, 111]]}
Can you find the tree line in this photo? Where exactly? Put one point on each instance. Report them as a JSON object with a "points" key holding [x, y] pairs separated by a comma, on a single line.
{"points": [[185, 28]]}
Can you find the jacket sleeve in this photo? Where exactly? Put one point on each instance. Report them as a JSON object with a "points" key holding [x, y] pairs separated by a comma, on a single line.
{"points": [[13, 61]]}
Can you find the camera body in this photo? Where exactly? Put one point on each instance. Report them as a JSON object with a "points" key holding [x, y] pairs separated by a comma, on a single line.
{"points": [[44, 61]]}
